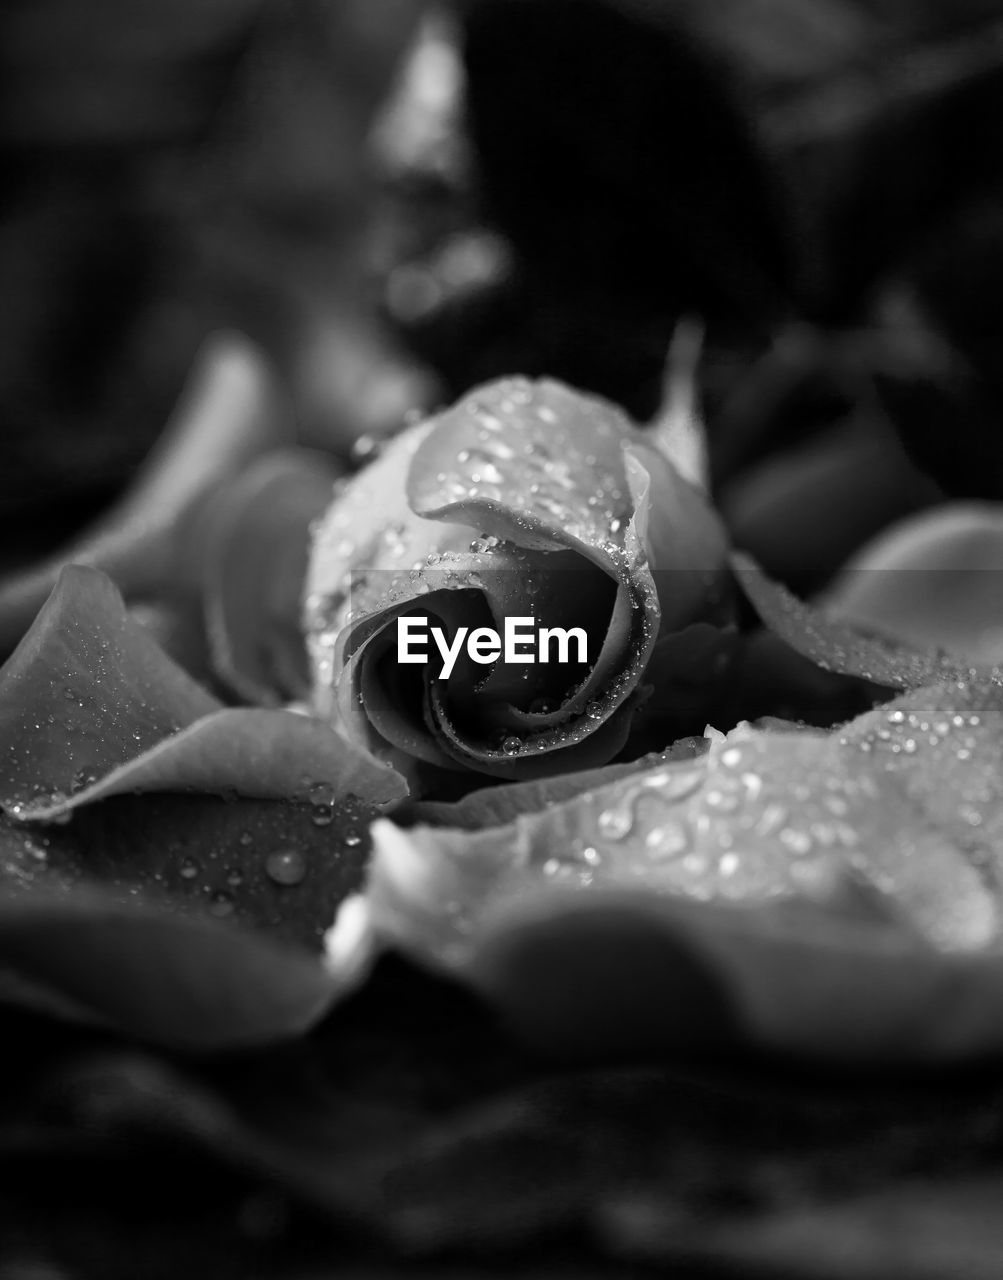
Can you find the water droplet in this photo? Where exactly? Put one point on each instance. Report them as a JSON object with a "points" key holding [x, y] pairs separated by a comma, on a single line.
{"points": [[667, 839], [773, 818], [796, 841], [511, 745], [286, 867], [364, 449], [235, 877], [220, 904], [673, 783], [322, 815], [723, 801], [189, 869], [84, 777], [352, 839], [732, 757], [728, 864], [616, 823]]}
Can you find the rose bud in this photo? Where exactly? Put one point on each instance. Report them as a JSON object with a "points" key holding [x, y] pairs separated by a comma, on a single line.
{"points": [[523, 501]]}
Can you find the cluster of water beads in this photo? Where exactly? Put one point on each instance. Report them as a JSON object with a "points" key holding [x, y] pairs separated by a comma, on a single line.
{"points": [[285, 866], [944, 746], [525, 455], [835, 645], [578, 863], [721, 826], [26, 859]]}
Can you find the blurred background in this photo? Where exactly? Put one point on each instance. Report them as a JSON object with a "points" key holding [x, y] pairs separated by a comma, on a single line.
{"points": [[396, 201]]}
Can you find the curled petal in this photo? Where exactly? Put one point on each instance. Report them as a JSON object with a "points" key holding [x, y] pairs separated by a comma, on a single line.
{"points": [[838, 645], [250, 555], [932, 581], [90, 706]]}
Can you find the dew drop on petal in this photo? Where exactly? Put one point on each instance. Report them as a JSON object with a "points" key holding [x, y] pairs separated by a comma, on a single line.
{"points": [[667, 839], [616, 823], [796, 841], [286, 867]]}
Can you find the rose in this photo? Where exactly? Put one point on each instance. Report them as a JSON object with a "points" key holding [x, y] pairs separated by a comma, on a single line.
{"points": [[784, 871], [523, 500]]}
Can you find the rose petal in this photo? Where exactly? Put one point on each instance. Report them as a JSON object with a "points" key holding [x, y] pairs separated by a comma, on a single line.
{"points": [[90, 706], [86, 691], [252, 554], [627, 975], [131, 917], [172, 980], [497, 806], [932, 581], [231, 412], [839, 646], [802, 876]]}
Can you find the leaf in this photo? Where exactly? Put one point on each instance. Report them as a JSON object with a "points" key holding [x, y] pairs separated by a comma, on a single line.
{"points": [[523, 500], [823, 893], [839, 646]]}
